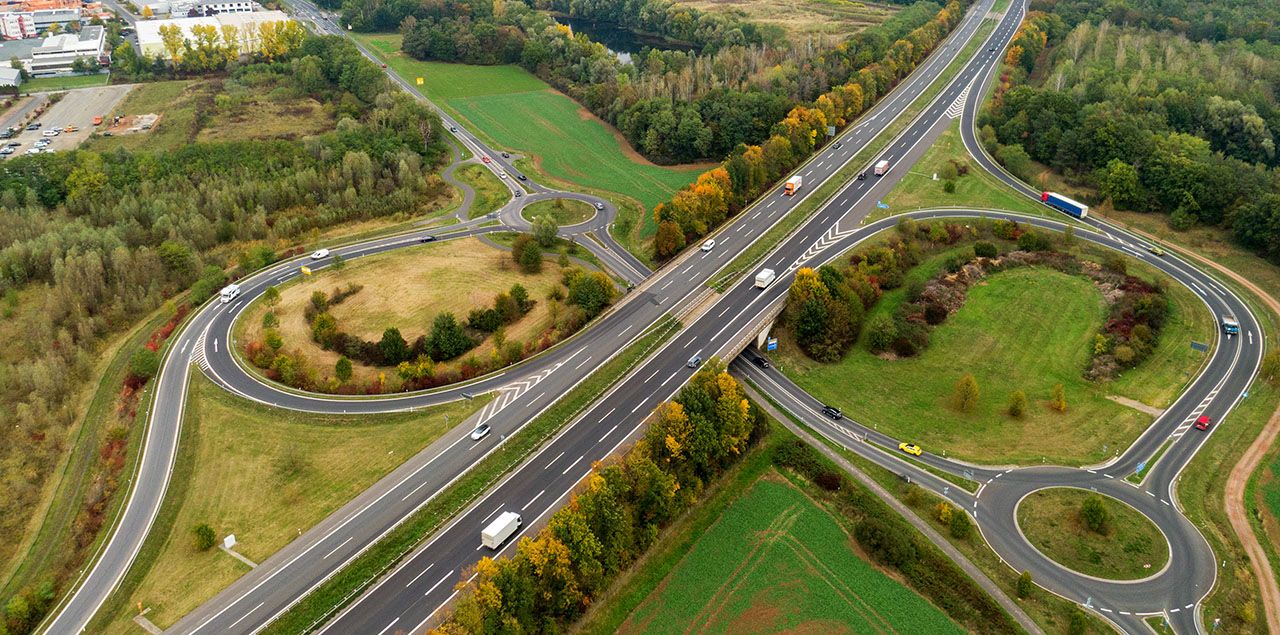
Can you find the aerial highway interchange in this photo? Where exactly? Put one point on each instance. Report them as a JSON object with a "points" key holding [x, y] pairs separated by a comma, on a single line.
{"points": [[410, 597]]}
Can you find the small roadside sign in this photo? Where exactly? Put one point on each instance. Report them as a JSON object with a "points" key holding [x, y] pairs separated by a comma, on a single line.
{"points": [[419, 80], [772, 344]]}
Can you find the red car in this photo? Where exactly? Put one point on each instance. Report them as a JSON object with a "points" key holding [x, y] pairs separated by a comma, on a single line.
{"points": [[485, 158], [1203, 423]]}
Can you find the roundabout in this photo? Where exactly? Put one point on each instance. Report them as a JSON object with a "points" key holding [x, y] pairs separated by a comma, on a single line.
{"points": [[1092, 534]]}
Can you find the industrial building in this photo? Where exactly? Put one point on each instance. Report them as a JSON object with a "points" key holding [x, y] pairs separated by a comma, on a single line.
{"points": [[150, 43]]}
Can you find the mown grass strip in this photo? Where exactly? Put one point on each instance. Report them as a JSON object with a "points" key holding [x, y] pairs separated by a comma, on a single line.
{"points": [[825, 192], [330, 597], [1141, 473]]}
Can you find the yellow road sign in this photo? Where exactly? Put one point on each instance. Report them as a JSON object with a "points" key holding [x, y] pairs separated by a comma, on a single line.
{"points": [[419, 81]]}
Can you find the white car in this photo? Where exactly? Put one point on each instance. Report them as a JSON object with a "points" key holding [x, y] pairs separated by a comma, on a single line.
{"points": [[503, 174], [33, 150], [50, 133], [6, 150], [480, 432], [320, 253], [709, 245]]}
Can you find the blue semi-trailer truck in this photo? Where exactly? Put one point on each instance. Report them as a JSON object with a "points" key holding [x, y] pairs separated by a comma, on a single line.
{"points": [[1062, 203]]}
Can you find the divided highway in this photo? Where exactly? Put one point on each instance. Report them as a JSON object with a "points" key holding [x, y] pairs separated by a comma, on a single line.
{"points": [[523, 391]]}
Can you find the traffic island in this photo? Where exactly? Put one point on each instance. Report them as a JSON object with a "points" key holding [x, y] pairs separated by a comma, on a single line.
{"points": [[1092, 534]]}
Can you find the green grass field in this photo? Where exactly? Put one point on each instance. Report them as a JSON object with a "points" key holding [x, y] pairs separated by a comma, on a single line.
{"points": [[777, 562], [564, 211], [1132, 548], [43, 84], [516, 111], [999, 336], [265, 475], [490, 193]]}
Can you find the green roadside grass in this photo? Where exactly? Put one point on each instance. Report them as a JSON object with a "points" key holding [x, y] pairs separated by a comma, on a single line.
{"points": [[1051, 612], [776, 559], [1137, 477], [45, 84], [977, 189], [746, 260], [564, 211], [512, 109], [997, 336], [1159, 624], [490, 193], [1131, 548], [564, 246], [339, 590], [266, 475]]}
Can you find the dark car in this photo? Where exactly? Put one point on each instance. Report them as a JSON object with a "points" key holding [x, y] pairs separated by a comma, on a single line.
{"points": [[831, 412], [34, 126], [506, 155], [7, 134], [838, 144], [426, 239], [761, 362]]}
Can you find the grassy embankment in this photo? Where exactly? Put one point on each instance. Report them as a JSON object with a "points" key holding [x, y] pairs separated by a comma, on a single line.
{"points": [[45, 84], [330, 597], [835, 20], [1130, 548], [265, 475], [775, 561], [564, 211], [490, 193], [976, 189], [510, 108], [998, 336], [407, 289]]}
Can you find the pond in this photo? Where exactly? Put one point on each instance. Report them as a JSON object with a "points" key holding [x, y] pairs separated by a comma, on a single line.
{"points": [[621, 41]]}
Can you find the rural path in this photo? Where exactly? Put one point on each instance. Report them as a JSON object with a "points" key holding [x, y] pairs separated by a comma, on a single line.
{"points": [[1237, 512], [929, 532]]}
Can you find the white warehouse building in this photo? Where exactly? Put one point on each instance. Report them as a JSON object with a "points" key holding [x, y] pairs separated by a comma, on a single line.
{"points": [[58, 52], [150, 43]]}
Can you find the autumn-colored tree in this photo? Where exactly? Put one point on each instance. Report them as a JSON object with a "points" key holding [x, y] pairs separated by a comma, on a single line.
{"points": [[966, 393]]}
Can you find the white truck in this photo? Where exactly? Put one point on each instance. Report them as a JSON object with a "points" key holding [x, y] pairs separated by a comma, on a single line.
{"points": [[792, 185], [765, 278], [882, 168], [229, 293], [500, 529]]}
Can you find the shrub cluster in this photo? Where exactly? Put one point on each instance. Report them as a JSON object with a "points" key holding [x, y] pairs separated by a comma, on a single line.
{"points": [[554, 576]]}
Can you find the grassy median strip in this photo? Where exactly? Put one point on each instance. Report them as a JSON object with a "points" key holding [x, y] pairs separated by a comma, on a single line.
{"points": [[758, 249], [321, 604], [1145, 467]]}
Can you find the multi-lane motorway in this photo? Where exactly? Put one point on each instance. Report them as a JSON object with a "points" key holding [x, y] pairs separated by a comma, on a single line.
{"points": [[423, 582]]}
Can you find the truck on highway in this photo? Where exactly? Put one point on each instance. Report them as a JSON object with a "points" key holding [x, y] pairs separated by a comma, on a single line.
{"points": [[882, 167], [1064, 204], [500, 529], [229, 293], [1230, 325], [765, 278], [789, 188]]}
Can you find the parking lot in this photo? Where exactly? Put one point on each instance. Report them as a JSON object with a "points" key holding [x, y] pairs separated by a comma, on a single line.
{"points": [[77, 108]]}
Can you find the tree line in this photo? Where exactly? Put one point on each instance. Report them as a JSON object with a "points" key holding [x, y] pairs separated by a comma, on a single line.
{"points": [[93, 240], [1247, 20], [1149, 121], [554, 576], [750, 170]]}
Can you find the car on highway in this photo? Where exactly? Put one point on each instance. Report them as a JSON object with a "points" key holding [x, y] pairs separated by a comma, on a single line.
{"points": [[427, 239], [761, 362], [910, 448], [1156, 250], [453, 128], [832, 412], [485, 158], [709, 245], [502, 174], [319, 253], [481, 431], [1203, 423], [506, 155], [694, 361], [383, 65], [522, 177], [838, 144], [519, 193]]}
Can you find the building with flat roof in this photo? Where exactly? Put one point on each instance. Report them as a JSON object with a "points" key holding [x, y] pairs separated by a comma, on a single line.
{"points": [[247, 24], [10, 77], [58, 52]]}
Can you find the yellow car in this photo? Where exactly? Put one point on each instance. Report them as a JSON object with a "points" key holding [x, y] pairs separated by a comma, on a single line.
{"points": [[910, 448]]}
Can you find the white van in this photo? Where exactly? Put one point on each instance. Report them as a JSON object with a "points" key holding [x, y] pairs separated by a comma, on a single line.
{"points": [[229, 293]]}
